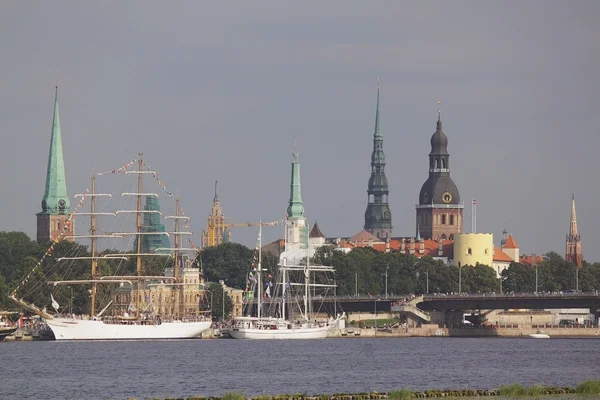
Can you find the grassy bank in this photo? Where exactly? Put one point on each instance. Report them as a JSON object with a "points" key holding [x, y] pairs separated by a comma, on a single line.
{"points": [[585, 388]]}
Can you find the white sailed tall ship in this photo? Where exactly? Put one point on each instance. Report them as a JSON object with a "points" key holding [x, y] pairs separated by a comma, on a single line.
{"points": [[162, 321]]}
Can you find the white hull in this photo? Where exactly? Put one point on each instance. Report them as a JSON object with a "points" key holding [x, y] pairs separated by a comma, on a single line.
{"points": [[539, 336], [76, 329], [300, 333]]}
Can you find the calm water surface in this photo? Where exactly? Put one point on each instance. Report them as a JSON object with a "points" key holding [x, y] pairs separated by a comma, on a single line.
{"points": [[118, 370]]}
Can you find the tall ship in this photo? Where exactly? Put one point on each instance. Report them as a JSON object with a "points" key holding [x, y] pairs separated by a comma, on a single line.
{"points": [[140, 306], [284, 309]]}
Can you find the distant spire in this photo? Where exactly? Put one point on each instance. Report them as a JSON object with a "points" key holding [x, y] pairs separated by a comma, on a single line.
{"points": [[295, 208], [216, 198], [573, 223], [418, 233], [56, 199], [377, 133]]}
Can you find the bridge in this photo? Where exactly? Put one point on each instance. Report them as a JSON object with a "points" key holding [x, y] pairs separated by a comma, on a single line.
{"points": [[420, 308]]}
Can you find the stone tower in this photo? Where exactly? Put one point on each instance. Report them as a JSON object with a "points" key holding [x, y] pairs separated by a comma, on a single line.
{"points": [[217, 221], [439, 212], [573, 253], [52, 220], [296, 229], [378, 217]]}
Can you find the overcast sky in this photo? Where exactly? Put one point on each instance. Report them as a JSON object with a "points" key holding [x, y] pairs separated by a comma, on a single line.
{"points": [[217, 90]]}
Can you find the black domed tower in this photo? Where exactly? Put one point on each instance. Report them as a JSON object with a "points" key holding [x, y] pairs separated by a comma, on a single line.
{"points": [[439, 212]]}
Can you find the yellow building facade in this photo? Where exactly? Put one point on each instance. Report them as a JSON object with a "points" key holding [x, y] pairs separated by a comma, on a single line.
{"points": [[473, 248]]}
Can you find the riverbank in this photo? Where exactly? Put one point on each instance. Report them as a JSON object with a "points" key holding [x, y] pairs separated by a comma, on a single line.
{"points": [[586, 389], [433, 330]]}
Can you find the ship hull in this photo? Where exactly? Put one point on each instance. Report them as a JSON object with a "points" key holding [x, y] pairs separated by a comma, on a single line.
{"points": [[74, 329], [300, 333]]}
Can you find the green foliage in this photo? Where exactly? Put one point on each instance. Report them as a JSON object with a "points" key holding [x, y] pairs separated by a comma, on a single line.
{"points": [[401, 394], [217, 301], [588, 387], [233, 396], [229, 262], [512, 390]]}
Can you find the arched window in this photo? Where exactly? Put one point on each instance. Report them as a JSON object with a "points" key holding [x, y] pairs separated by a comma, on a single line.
{"points": [[470, 251]]}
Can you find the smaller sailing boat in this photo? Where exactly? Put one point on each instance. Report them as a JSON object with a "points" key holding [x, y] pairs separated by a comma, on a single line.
{"points": [[269, 327], [168, 323], [7, 328]]}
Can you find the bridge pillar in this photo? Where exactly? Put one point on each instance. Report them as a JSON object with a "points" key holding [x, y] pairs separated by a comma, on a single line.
{"points": [[446, 318]]}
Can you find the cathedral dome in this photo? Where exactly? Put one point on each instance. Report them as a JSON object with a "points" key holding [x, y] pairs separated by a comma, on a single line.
{"points": [[439, 190]]}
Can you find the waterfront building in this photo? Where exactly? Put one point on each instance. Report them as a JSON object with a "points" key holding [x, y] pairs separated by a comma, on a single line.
{"points": [[216, 230], [52, 221], [161, 297], [152, 223], [573, 252], [378, 216], [439, 212]]}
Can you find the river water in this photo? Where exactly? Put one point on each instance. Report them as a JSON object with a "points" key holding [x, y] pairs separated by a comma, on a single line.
{"points": [[179, 368]]}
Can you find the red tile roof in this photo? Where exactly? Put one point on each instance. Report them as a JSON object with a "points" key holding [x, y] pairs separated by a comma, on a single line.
{"points": [[364, 236], [529, 260], [499, 255], [510, 243]]}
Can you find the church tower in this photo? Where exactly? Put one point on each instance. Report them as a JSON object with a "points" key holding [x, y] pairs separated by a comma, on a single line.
{"points": [[52, 220], [296, 229], [573, 253], [378, 217], [439, 212]]}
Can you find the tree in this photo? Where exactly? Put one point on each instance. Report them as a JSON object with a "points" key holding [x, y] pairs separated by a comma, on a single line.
{"points": [[217, 296]]}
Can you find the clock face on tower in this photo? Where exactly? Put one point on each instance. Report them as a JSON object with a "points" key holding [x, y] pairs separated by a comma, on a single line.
{"points": [[446, 197], [61, 204]]}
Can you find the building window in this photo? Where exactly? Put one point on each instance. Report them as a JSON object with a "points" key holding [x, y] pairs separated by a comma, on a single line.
{"points": [[470, 251], [485, 252], [444, 219], [452, 220]]}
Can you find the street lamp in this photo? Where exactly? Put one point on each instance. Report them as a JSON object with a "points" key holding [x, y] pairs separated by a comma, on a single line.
{"points": [[459, 278], [356, 284], [536, 279], [576, 278], [386, 281], [71, 301], [426, 280]]}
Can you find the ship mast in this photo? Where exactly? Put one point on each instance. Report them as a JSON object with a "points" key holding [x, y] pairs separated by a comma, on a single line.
{"points": [[259, 270], [138, 258], [93, 246]]}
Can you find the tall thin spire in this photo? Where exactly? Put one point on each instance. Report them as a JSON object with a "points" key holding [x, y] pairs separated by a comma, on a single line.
{"points": [[377, 134], [573, 224], [378, 217], [574, 252], [216, 198], [295, 208], [56, 199]]}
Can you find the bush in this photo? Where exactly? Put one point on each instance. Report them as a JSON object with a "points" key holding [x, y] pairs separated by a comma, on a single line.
{"points": [[233, 396], [588, 387], [401, 394]]}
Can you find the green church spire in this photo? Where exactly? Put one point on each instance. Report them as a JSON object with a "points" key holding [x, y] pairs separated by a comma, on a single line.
{"points": [[56, 199], [295, 208]]}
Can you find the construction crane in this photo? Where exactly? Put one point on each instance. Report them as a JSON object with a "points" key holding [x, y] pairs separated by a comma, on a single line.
{"points": [[212, 227]]}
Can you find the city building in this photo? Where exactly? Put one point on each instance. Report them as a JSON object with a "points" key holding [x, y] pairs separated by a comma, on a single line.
{"points": [[378, 217], [216, 230], [152, 223], [439, 212], [162, 298], [53, 220], [573, 253]]}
